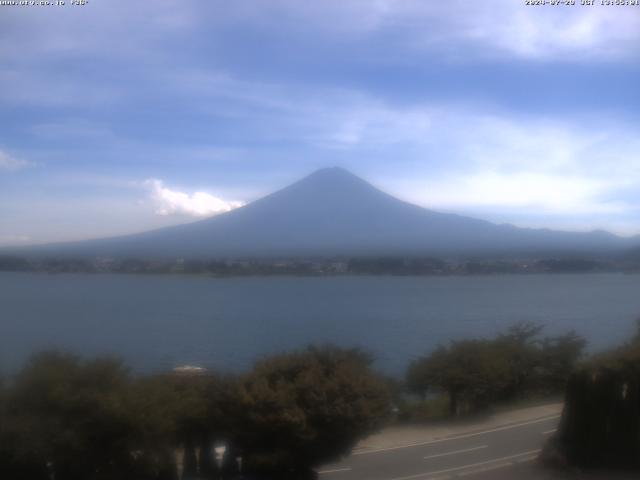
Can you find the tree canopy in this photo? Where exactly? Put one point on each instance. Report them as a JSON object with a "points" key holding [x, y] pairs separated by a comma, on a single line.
{"points": [[308, 407], [79, 419], [475, 373]]}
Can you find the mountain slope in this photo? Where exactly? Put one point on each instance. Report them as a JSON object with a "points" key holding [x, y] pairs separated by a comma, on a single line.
{"points": [[333, 212]]}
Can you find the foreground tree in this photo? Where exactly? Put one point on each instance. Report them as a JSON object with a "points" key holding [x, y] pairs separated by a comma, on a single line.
{"points": [[517, 363], [68, 418], [600, 424], [186, 413], [520, 345], [559, 356], [471, 372], [306, 408], [74, 419]]}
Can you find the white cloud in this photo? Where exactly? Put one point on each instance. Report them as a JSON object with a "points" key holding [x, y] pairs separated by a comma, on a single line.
{"points": [[508, 27], [76, 128], [464, 29], [523, 191], [10, 240], [373, 124], [470, 161], [579, 33], [457, 27], [8, 162], [197, 204]]}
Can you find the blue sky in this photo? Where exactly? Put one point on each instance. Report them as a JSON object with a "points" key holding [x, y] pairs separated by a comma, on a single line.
{"points": [[122, 116]]}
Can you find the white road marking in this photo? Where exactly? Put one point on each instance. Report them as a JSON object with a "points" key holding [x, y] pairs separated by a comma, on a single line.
{"points": [[490, 468], [550, 431], [456, 452], [448, 439], [497, 466], [335, 470], [502, 461], [527, 459]]}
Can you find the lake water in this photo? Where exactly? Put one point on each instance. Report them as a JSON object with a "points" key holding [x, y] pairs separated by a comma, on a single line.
{"points": [[157, 322]]}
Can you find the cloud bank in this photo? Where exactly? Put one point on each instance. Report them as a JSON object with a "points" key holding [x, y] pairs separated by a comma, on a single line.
{"points": [[196, 204], [8, 162]]}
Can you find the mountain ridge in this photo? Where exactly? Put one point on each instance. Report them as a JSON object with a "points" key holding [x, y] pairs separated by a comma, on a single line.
{"points": [[334, 212]]}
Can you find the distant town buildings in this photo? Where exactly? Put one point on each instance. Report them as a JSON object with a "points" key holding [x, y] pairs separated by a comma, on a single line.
{"points": [[322, 266]]}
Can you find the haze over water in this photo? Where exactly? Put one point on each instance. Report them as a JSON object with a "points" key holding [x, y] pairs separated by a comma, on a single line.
{"points": [[158, 322]]}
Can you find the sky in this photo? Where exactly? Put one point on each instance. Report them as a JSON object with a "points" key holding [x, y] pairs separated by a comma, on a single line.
{"points": [[120, 116]]}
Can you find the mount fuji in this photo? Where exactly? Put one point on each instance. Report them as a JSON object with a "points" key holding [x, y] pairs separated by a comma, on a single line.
{"points": [[333, 212]]}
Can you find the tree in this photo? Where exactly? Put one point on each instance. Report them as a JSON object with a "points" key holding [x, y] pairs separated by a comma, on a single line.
{"points": [[600, 425], [520, 345], [559, 356], [183, 411], [636, 338], [305, 408], [517, 362], [68, 417], [471, 372]]}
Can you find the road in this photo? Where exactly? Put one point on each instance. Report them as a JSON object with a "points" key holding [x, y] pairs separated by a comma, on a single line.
{"points": [[499, 452]]}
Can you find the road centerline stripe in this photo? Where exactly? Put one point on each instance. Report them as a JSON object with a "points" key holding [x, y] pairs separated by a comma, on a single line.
{"points": [[456, 452], [334, 470], [500, 460], [489, 468]]}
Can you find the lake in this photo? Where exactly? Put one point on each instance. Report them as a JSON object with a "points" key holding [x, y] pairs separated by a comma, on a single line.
{"points": [[158, 322]]}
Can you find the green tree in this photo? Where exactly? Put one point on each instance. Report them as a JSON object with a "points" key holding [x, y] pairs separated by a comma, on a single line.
{"points": [[518, 362], [188, 412], [69, 417], [559, 356], [305, 408], [471, 372], [520, 345]]}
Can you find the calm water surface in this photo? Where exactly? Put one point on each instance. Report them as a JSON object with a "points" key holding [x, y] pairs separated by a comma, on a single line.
{"points": [[157, 322]]}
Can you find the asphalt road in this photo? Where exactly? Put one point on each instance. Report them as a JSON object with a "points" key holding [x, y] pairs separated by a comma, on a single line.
{"points": [[506, 452]]}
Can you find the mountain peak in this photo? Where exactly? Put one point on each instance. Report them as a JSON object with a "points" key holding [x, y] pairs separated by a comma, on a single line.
{"points": [[333, 178], [335, 170], [333, 173]]}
